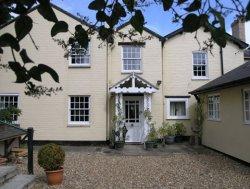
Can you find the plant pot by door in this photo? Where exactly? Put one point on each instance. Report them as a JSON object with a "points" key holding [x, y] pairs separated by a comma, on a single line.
{"points": [[170, 139], [149, 145], [119, 144], [55, 177], [178, 139]]}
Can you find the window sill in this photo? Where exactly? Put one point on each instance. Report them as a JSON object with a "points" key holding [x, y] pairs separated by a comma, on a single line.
{"points": [[131, 71], [84, 124], [215, 120], [200, 78], [247, 123], [79, 66], [178, 118]]}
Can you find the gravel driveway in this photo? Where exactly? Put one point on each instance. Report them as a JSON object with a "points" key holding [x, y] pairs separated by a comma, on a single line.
{"points": [[95, 168]]}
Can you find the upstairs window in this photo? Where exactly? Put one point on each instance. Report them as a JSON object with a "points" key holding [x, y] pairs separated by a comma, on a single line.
{"points": [[7, 101], [79, 108], [79, 56], [131, 56], [214, 107], [247, 106], [200, 65]]}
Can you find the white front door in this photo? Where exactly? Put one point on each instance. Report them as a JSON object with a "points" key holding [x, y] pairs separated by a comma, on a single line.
{"points": [[133, 107]]}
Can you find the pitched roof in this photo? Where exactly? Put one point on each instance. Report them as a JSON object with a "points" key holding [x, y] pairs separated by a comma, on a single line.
{"points": [[55, 7], [8, 131], [231, 38], [236, 77], [144, 28]]}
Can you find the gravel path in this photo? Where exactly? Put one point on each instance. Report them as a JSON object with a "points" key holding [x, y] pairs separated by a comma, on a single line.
{"points": [[176, 170]]}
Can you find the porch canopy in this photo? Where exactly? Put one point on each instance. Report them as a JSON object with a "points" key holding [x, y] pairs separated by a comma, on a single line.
{"points": [[133, 84]]}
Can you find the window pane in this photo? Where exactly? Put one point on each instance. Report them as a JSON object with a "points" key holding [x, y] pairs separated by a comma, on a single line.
{"points": [[199, 64], [178, 108], [9, 101], [79, 108], [79, 55], [131, 58]]}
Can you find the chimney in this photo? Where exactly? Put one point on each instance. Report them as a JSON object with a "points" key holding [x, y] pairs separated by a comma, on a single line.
{"points": [[238, 29]]}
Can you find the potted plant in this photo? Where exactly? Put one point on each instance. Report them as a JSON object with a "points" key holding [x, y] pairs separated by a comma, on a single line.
{"points": [[162, 133], [51, 158], [121, 136], [180, 131], [170, 129], [151, 139]]}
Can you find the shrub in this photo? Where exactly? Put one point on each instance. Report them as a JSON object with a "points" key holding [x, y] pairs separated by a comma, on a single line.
{"points": [[180, 128], [170, 129], [162, 131], [51, 157], [152, 135]]}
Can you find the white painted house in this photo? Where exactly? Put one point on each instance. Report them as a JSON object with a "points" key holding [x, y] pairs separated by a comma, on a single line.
{"points": [[156, 74]]}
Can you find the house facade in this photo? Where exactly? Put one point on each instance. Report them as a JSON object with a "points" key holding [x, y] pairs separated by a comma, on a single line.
{"points": [[154, 74], [226, 104]]}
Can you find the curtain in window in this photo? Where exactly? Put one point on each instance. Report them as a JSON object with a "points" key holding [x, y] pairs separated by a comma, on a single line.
{"points": [[177, 109]]}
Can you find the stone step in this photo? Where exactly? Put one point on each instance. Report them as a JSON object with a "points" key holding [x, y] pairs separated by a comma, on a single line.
{"points": [[6, 173], [19, 182]]}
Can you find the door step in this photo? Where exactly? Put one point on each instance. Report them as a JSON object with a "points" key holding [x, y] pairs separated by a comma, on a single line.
{"points": [[6, 173], [19, 182]]}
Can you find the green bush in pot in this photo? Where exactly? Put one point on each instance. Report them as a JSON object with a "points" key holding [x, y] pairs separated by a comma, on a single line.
{"points": [[51, 158], [180, 131], [171, 132]]}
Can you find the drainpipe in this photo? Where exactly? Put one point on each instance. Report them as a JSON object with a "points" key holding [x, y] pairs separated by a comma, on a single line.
{"points": [[107, 91], [221, 61]]}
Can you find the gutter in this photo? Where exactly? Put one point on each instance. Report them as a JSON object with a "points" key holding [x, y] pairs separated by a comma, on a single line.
{"points": [[221, 61]]}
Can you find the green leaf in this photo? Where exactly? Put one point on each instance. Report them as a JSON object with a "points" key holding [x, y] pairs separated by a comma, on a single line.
{"points": [[129, 4], [97, 5], [25, 57], [23, 26], [46, 11], [81, 36], [105, 32], [219, 36], [194, 6], [101, 16], [181, 2], [119, 11], [248, 11], [191, 23], [35, 73], [219, 17], [167, 4], [7, 40], [21, 72], [137, 21], [59, 27], [46, 69]]}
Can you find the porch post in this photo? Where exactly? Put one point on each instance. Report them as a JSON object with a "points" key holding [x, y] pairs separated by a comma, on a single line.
{"points": [[118, 104], [147, 106]]}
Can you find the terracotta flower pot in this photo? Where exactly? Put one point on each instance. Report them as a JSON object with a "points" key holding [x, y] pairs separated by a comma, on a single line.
{"points": [[55, 177]]}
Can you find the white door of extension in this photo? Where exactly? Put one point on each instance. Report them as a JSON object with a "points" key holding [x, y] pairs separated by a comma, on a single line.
{"points": [[133, 108]]}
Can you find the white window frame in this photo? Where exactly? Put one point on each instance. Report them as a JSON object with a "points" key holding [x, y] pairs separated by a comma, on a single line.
{"points": [[169, 100], [122, 60], [80, 65], [207, 73], [18, 103], [78, 123], [213, 118], [244, 107]]}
